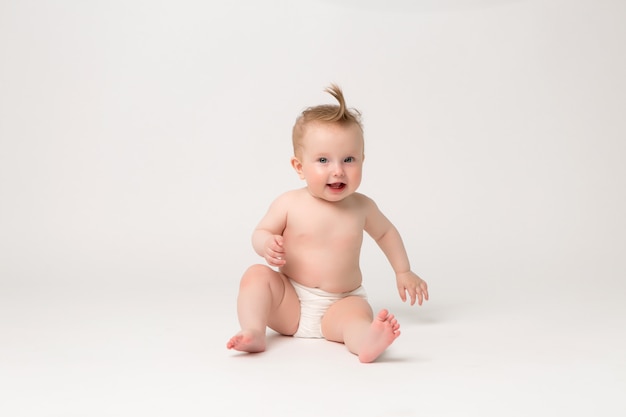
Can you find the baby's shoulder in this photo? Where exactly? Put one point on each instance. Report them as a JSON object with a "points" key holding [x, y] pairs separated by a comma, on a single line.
{"points": [[288, 198], [291, 195], [362, 200], [365, 205]]}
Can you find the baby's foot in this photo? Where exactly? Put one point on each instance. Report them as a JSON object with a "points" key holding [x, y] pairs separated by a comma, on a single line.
{"points": [[383, 331], [247, 341]]}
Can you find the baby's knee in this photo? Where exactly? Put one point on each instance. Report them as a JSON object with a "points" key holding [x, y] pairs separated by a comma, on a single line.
{"points": [[257, 274], [258, 269]]}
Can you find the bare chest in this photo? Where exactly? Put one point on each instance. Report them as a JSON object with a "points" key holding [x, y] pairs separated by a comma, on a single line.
{"points": [[327, 226]]}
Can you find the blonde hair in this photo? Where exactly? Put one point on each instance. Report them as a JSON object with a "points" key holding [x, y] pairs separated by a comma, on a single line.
{"points": [[327, 113]]}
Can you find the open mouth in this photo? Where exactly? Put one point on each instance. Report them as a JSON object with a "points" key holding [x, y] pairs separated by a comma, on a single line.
{"points": [[337, 186]]}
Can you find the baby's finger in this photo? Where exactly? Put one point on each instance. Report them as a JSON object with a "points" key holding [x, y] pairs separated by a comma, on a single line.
{"points": [[275, 261], [402, 292], [420, 296], [277, 248], [275, 252], [423, 289]]}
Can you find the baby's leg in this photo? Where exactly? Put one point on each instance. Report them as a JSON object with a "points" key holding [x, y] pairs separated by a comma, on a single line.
{"points": [[266, 298], [351, 321]]}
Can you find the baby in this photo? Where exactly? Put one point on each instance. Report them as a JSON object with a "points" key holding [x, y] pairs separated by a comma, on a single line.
{"points": [[311, 239]]}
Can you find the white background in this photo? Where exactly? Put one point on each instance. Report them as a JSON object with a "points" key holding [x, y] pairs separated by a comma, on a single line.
{"points": [[141, 142]]}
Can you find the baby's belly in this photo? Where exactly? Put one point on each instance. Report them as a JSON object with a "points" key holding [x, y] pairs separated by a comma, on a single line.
{"points": [[331, 278]]}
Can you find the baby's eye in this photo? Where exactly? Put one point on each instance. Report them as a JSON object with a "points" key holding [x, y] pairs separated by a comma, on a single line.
{"points": [[323, 160], [349, 159]]}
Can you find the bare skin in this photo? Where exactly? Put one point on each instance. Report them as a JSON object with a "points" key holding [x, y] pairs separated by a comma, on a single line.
{"points": [[247, 341], [382, 333], [313, 236]]}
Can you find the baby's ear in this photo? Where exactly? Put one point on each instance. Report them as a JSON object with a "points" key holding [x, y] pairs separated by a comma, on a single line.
{"points": [[297, 165]]}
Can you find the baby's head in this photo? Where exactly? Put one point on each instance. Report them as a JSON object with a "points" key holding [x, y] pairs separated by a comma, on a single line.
{"points": [[325, 113], [328, 149]]}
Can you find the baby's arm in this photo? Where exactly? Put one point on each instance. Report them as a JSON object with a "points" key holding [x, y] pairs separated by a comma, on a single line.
{"points": [[267, 239], [388, 239]]}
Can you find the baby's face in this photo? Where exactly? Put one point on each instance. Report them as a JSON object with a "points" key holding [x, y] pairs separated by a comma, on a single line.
{"points": [[331, 160]]}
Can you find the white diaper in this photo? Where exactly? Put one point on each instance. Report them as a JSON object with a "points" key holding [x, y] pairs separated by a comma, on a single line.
{"points": [[313, 305]]}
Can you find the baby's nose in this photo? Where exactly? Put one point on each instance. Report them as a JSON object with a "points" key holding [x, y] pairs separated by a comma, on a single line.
{"points": [[338, 170]]}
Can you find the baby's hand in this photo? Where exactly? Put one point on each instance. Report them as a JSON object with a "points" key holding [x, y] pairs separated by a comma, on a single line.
{"points": [[274, 251], [414, 285]]}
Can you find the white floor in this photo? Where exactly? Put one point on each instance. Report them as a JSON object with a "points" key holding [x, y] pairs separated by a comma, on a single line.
{"points": [[525, 347]]}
